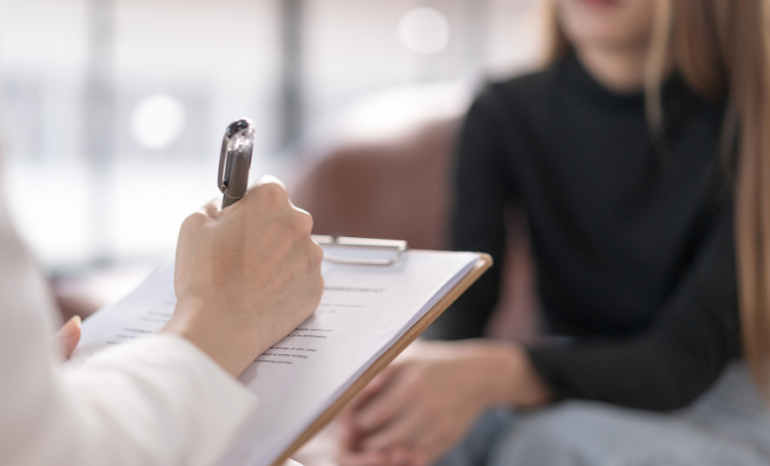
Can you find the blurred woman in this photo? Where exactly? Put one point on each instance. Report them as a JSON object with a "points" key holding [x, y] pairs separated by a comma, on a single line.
{"points": [[642, 155]]}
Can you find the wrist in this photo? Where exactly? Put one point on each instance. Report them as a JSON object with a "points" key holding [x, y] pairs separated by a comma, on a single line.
{"points": [[526, 387], [512, 379], [199, 325]]}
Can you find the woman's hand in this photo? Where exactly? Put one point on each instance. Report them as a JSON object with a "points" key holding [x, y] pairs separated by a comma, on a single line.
{"points": [[246, 275], [428, 399]]}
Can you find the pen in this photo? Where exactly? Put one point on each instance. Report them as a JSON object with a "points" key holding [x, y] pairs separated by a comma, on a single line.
{"points": [[235, 160]]}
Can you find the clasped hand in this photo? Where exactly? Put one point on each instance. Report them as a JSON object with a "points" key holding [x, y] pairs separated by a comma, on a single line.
{"points": [[428, 399]]}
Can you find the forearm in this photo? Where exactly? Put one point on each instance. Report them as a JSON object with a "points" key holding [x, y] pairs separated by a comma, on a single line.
{"points": [[644, 373]]}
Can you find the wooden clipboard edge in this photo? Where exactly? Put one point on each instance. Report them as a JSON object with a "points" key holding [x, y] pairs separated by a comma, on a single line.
{"points": [[481, 266]]}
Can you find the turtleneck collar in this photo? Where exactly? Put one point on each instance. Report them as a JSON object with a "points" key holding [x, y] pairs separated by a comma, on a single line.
{"points": [[677, 96]]}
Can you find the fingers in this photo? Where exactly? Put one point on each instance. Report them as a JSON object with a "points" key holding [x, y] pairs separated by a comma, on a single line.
{"points": [[406, 429], [270, 196], [269, 191], [388, 402], [374, 387], [401, 456], [349, 457], [393, 456], [350, 435], [413, 441], [68, 336], [268, 187], [435, 443], [213, 208], [265, 204], [444, 432], [422, 458], [270, 179]]}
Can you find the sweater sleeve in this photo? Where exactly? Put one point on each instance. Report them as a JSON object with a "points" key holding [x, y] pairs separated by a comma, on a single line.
{"points": [[671, 364], [483, 189]]}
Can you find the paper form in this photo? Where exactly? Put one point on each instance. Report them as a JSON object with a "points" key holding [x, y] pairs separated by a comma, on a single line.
{"points": [[363, 312]]}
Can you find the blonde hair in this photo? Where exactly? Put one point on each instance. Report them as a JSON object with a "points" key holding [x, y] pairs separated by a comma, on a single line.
{"points": [[722, 50]]}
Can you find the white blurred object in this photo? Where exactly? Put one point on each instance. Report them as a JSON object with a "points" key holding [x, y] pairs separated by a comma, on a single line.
{"points": [[392, 112], [424, 30], [157, 121]]}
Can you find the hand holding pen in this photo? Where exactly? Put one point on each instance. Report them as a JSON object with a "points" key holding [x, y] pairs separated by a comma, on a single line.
{"points": [[244, 277]]}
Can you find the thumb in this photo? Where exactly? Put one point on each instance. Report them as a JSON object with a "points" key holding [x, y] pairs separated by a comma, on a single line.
{"points": [[67, 338]]}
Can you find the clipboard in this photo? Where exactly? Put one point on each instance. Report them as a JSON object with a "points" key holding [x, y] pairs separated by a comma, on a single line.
{"points": [[138, 311], [482, 264]]}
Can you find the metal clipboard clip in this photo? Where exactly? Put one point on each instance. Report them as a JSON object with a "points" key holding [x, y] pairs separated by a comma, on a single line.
{"points": [[397, 247]]}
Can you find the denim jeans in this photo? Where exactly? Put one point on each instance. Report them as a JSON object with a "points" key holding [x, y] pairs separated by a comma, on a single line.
{"points": [[728, 426]]}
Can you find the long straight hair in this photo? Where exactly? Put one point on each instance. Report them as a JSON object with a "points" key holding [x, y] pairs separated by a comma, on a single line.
{"points": [[722, 50]]}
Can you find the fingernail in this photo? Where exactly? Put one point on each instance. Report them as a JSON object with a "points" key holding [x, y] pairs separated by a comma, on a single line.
{"points": [[70, 328]]}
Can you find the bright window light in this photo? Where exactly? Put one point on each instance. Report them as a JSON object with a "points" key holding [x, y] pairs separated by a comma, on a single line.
{"points": [[157, 121], [424, 30]]}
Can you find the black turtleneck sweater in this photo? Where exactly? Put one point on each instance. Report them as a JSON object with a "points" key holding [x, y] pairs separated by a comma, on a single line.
{"points": [[633, 245]]}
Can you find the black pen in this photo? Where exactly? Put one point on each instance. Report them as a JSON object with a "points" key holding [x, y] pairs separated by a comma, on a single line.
{"points": [[235, 161]]}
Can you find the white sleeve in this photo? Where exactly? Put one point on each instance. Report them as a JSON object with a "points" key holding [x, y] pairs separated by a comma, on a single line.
{"points": [[162, 401], [152, 402]]}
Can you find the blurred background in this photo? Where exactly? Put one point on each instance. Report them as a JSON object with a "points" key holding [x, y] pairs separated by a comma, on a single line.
{"points": [[113, 110]]}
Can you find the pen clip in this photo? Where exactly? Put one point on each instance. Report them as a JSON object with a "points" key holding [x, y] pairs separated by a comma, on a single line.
{"points": [[239, 128]]}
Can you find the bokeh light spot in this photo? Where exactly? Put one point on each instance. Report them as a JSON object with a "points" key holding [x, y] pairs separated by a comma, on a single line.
{"points": [[157, 121], [424, 30]]}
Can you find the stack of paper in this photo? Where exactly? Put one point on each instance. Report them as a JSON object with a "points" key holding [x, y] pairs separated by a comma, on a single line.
{"points": [[363, 312]]}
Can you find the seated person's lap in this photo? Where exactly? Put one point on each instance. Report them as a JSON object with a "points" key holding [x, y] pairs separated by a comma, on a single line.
{"points": [[729, 425]]}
